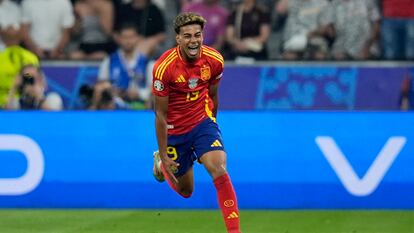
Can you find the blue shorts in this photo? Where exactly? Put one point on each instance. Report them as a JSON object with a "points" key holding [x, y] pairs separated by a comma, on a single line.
{"points": [[186, 148]]}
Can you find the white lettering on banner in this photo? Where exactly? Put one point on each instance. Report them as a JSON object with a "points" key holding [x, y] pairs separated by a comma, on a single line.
{"points": [[35, 165], [375, 173]]}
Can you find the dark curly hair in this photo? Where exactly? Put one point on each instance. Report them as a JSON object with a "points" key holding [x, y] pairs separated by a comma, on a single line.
{"points": [[187, 18]]}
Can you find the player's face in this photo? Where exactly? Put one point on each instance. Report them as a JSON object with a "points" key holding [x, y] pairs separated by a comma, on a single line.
{"points": [[190, 40]]}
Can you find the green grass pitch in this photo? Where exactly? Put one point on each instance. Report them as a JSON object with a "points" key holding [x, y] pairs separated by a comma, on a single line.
{"points": [[203, 221]]}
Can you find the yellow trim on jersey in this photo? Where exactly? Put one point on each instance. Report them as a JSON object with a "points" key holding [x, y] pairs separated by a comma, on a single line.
{"points": [[179, 53], [213, 54], [161, 68], [215, 58], [166, 65], [163, 63], [208, 111], [206, 48]]}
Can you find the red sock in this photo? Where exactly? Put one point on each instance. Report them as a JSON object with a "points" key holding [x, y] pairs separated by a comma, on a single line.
{"points": [[171, 183], [228, 203]]}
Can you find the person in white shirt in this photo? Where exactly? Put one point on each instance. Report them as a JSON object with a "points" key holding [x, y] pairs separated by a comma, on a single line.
{"points": [[46, 26], [10, 16]]}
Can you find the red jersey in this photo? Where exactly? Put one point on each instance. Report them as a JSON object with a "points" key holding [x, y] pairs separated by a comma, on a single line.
{"points": [[187, 85]]}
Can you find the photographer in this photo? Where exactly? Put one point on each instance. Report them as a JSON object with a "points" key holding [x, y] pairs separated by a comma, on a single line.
{"points": [[12, 60], [100, 97], [31, 95], [28, 92]]}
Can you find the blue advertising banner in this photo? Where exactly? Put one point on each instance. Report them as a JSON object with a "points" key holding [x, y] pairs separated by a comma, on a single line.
{"points": [[329, 160], [305, 86]]}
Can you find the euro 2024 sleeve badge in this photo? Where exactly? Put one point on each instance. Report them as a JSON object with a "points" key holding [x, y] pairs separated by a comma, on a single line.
{"points": [[158, 85]]}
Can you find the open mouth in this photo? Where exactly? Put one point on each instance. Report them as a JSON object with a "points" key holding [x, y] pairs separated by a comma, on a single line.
{"points": [[193, 50]]}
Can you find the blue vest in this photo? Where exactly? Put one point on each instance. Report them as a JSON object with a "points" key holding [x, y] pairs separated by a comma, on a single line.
{"points": [[121, 76]]}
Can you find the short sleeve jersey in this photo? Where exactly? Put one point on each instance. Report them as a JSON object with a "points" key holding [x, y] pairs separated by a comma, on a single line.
{"points": [[187, 86]]}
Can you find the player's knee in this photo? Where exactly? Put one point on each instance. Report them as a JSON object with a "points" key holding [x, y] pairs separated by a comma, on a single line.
{"points": [[217, 171]]}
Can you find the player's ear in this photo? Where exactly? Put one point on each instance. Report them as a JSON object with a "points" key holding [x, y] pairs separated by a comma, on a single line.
{"points": [[177, 38]]}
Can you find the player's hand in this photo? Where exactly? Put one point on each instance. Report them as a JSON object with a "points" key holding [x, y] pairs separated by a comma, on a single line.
{"points": [[170, 167]]}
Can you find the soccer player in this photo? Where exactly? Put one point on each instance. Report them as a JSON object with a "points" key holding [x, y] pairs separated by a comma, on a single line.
{"points": [[185, 86]]}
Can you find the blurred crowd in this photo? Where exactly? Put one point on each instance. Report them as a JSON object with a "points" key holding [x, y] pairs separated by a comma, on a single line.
{"points": [[126, 35]]}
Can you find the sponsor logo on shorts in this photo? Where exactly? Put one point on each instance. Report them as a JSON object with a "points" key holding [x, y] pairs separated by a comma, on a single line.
{"points": [[216, 143]]}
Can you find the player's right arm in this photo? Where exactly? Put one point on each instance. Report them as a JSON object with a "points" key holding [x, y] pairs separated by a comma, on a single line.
{"points": [[161, 91], [161, 109]]}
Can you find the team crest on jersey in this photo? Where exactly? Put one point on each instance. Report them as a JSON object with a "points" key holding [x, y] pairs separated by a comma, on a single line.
{"points": [[158, 85], [192, 83], [205, 73]]}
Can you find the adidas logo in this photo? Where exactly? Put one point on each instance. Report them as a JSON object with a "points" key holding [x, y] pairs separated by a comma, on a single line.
{"points": [[233, 215], [180, 79], [216, 143]]}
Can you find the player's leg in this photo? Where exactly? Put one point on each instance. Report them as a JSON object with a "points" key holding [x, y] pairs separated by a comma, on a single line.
{"points": [[215, 163], [208, 146], [180, 150], [185, 185]]}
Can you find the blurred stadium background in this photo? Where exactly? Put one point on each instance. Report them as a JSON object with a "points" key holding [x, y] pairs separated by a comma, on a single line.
{"points": [[301, 157]]}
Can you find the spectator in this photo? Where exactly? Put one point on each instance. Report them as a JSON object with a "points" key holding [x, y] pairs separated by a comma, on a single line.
{"points": [[126, 68], [104, 97], [12, 60], [397, 29], [216, 16], [46, 26], [169, 9], [148, 19], [247, 32], [305, 30], [10, 15], [29, 92], [356, 24], [94, 23]]}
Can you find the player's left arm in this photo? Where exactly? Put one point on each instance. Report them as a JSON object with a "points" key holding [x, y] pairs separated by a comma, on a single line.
{"points": [[213, 93]]}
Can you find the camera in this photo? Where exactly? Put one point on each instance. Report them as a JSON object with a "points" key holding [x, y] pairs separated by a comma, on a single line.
{"points": [[86, 95], [28, 98], [27, 80], [106, 96]]}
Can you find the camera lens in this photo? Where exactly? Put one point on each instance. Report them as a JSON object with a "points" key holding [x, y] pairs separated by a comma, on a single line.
{"points": [[28, 79]]}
